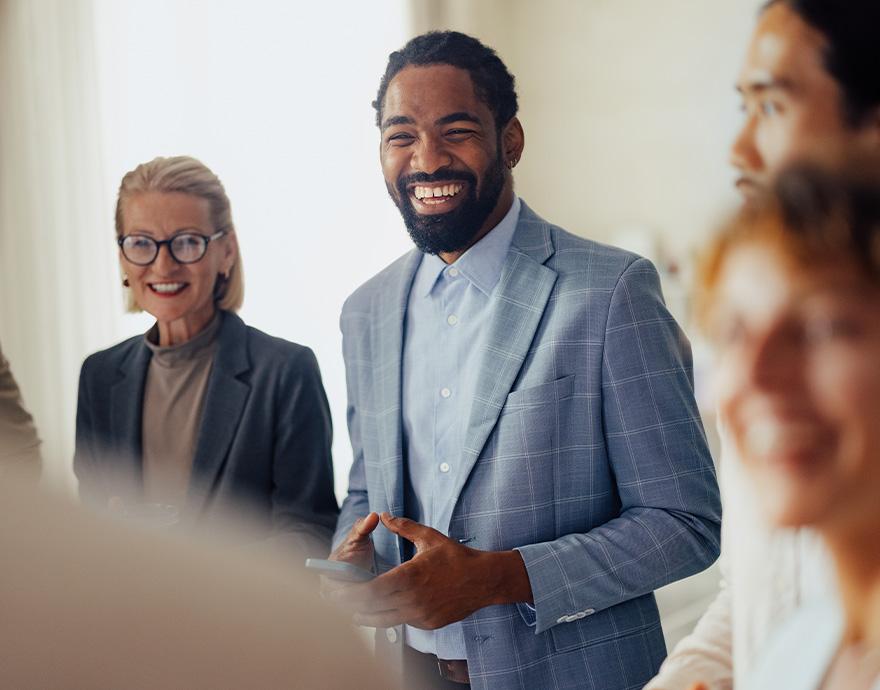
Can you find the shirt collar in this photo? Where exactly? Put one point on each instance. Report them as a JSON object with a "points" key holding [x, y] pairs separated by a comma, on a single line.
{"points": [[481, 264]]}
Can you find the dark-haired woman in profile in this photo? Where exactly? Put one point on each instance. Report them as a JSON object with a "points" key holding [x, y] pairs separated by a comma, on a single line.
{"points": [[203, 415]]}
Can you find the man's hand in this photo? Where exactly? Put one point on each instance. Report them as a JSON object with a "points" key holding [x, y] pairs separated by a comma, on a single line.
{"points": [[443, 583], [357, 549]]}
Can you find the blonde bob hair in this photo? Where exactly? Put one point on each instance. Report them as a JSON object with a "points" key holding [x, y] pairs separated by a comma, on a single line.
{"points": [[186, 175]]}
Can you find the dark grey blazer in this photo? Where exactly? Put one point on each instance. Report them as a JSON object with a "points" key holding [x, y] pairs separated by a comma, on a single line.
{"points": [[263, 445]]}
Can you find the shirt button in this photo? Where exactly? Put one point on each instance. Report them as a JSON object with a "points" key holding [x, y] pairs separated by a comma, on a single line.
{"points": [[453, 272], [391, 634], [445, 392], [452, 319], [444, 467]]}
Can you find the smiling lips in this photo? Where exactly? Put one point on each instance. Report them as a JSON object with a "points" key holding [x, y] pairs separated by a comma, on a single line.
{"points": [[167, 289], [435, 195], [789, 444]]}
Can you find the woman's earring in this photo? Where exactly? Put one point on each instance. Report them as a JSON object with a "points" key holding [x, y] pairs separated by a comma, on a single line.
{"points": [[125, 282]]}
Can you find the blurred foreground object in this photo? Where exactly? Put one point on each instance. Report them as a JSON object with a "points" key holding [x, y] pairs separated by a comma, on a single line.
{"points": [[91, 604], [19, 443]]}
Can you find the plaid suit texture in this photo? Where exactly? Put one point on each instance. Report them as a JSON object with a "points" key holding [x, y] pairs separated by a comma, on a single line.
{"points": [[584, 450]]}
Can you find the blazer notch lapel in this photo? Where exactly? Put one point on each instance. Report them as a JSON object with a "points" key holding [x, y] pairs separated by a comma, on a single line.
{"points": [[225, 400], [126, 415], [519, 303]]}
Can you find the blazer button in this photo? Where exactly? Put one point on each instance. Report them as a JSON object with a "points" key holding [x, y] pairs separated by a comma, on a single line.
{"points": [[391, 634]]}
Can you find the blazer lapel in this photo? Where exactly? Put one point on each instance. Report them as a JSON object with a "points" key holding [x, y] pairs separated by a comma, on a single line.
{"points": [[225, 400], [126, 414], [387, 341], [518, 304]]}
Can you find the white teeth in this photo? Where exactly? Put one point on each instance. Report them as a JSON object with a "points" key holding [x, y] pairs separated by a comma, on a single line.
{"points": [[760, 438], [432, 192], [767, 437], [167, 287]]}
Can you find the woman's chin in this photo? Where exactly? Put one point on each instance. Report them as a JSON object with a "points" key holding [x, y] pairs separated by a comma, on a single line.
{"points": [[790, 512]]}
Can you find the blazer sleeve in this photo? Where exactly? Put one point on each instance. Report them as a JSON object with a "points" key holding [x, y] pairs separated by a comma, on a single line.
{"points": [[706, 655], [668, 526], [356, 503], [303, 501]]}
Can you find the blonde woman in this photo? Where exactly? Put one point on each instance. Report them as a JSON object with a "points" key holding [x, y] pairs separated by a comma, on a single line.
{"points": [[202, 414]]}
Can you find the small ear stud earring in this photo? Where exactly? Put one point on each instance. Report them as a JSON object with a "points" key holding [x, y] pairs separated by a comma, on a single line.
{"points": [[512, 163]]}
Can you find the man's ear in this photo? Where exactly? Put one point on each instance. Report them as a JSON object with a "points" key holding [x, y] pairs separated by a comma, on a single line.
{"points": [[513, 140]]}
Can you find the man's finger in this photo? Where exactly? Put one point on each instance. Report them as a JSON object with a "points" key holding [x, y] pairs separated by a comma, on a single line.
{"points": [[386, 619], [364, 526], [418, 534], [370, 605], [381, 588]]}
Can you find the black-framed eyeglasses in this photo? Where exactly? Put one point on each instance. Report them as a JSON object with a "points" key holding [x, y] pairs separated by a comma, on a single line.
{"points": [[185, 248]]}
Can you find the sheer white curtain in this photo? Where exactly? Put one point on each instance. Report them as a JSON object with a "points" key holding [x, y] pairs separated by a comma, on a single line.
{"points": [[58, 291], [274, 96]]}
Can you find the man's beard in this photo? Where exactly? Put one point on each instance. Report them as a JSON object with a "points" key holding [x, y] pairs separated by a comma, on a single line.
{"points": [[454, 230]]}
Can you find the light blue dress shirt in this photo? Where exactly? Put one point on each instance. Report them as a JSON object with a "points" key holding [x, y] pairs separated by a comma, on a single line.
{"points": [[448, 307]]}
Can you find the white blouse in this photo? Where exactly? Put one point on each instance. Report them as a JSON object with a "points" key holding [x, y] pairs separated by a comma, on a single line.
{"points": [[803, 651], [767, 574]]}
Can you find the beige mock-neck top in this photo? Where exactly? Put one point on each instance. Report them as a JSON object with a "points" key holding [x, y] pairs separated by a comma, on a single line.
{"points": [[174, 398]]}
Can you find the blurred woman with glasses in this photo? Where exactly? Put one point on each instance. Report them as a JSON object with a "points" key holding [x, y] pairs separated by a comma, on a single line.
{"points": [[790, 295], [202, 415]]}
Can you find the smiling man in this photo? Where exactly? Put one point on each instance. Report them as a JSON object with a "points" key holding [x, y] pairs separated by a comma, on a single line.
{"points": [[529, 464]]}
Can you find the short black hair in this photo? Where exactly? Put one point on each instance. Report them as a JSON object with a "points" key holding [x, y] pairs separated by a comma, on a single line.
{"points": [[852, 30], [493, 83]]}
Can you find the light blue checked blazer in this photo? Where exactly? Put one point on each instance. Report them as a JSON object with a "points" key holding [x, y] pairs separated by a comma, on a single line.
{"points": [[584, 451]]}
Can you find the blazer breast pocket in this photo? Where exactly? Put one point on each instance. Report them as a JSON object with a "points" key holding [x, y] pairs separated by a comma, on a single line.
{"points": [[542, 394], [530, 416], [528, 426]]}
